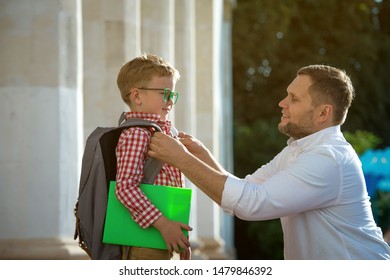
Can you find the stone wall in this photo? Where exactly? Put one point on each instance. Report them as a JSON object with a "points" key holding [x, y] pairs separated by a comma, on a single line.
{"points": [[58, 82]]}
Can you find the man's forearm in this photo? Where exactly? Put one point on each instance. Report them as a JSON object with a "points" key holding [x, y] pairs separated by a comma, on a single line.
{"points": [[206, 178], [209, 159]]}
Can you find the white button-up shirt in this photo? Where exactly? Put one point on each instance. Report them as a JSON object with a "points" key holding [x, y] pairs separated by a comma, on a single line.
{"points": [[316, 186]]}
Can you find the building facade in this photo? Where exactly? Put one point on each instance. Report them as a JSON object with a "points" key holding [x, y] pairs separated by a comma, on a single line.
{"points": [[58, 82]]}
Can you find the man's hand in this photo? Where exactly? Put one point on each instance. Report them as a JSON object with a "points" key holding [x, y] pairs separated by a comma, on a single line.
{"points": [[167, 149], [196, 147], [193, 145], [200, 168]]}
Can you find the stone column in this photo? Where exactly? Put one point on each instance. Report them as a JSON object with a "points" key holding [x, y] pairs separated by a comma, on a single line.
{"points": [[157, 28], [110, 34], [185, 53], [208, 109], [41, 133], [226, 114], [157, 31], [185, 111]]}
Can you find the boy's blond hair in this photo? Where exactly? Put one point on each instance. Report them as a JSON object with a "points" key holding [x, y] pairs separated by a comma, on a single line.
{"points": [[141, 70]]}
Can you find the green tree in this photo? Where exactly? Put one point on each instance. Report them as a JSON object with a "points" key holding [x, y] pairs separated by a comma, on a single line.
{"points": [[273, 39], [362, 141]]}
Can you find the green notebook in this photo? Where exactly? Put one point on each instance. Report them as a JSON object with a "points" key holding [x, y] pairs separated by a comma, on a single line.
{"points": [[121, 229]]}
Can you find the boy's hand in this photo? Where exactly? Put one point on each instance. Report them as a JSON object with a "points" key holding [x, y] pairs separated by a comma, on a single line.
{"points": [[186, 255], [172, 234]]}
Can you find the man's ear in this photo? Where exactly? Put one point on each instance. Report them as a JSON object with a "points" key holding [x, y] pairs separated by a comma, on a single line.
{"points": [[325, 113]]}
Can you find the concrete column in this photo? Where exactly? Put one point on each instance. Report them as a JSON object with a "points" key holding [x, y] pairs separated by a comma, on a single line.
{"points": [[208, 105], [157, 28], [185, 111], [58, 82], [185, 52], [110, 34], [132, 33], [40, 110], [226, 114]]}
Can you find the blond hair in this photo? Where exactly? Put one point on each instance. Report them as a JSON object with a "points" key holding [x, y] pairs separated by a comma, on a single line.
{"points": [[141, 70]]}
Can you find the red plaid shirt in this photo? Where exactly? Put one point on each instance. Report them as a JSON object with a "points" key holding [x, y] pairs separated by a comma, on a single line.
{"points": [[131, 153]]}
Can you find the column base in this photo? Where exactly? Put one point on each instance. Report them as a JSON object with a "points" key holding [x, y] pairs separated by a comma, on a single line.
{"points": [[211, 249], [68, 249], [41, 249]]}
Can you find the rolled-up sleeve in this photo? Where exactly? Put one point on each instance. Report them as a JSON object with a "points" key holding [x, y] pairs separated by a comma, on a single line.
{"points": [[232, 193]]}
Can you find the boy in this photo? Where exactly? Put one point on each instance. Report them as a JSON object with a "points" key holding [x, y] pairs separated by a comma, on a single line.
{"points": [[147, 85]]}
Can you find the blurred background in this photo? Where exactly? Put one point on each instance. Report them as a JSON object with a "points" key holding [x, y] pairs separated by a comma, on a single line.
{"points": [[271, 40], [236, 57]]}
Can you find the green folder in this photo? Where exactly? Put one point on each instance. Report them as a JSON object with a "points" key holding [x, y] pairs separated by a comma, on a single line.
{"points": [[121, 229]]}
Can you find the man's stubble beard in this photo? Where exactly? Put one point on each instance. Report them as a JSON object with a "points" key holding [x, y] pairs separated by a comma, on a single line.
{"points": [[295, 131]]}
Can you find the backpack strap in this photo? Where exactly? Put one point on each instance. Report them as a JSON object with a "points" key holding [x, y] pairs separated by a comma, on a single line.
{"points": [[152, 166], [174, 131], [122, 118], [151, 169]]}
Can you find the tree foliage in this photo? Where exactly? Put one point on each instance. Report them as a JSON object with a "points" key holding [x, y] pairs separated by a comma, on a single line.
{"points": [[273, 39]]}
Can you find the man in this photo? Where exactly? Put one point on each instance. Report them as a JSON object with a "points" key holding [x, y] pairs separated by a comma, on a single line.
{"points": [[315, 185]]}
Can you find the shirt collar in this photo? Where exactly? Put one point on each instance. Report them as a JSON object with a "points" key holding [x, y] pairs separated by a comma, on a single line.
{"points": [[315, 138], [165, 125]]}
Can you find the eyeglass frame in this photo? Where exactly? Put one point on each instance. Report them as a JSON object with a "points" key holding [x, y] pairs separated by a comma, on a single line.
{"points": [[167, 96]]}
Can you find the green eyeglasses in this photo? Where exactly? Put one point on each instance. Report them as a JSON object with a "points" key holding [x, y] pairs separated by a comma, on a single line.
{"points": [[168, 94]]}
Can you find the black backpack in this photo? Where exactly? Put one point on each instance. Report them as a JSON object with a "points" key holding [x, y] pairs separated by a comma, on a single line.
{"points": [[97, 170]]}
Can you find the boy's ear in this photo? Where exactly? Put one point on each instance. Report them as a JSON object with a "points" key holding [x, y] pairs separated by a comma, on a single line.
{"points": [[135, 96]]}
